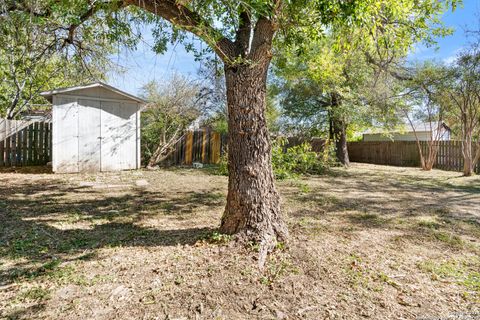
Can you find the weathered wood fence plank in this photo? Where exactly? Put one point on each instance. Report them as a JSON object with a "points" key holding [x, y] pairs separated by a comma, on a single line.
{"points": [[2, 143], [23, 143], [188, 148], [7, 145], [215, 149], [202, 146]]}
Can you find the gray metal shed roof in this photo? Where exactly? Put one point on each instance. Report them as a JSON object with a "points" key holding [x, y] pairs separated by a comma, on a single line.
{"points": [[49, 94]]}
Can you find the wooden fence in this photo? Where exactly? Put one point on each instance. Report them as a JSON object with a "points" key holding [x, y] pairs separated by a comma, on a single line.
{"points": [[202, 146], [207, 147], [25, 143], [405, 153]]}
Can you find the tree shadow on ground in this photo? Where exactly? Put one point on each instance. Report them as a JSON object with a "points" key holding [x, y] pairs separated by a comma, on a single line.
{"points": [[407, 195], [41, 222], [405, 178], [25, 313], [420, 210], [27, 170]]}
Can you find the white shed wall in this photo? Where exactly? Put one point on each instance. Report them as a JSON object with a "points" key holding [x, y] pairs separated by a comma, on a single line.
{"points": [[119, 135], [89, 143], [95, 133], [64, 135]]}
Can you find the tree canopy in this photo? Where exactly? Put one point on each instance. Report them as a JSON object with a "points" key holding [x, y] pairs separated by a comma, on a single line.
{"points": [[47, 45], [231, 28]]}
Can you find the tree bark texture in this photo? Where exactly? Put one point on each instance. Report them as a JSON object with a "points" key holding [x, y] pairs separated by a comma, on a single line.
{"points": [[339, 130], [427, 161], [341, 146], [468, 157], [431, 157], [253, 204]]}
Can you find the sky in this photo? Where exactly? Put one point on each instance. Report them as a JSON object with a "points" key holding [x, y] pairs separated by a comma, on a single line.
{"points": [[461, 20], [143, 65]]}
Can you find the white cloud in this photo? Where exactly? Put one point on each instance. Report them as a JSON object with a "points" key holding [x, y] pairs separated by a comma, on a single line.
{"points": [[451, 59]]}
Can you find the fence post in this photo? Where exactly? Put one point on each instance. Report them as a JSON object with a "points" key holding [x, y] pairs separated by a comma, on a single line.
{"points": [[50, 149], [2, 143], [24, 146], [46, 147], [18, 153], [41, 130], [188, 147], [204, 145], [7, 144], [215, 148], [35, 143], [13, 148]]}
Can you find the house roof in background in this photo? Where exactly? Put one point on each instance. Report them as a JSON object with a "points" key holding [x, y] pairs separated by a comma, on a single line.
{"points": [[427, 126], [418, 126], [49, 94]]}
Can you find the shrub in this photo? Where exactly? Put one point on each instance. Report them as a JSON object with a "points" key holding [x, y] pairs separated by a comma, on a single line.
{"points": [[222, 168], [297, 160], [294, 161]]}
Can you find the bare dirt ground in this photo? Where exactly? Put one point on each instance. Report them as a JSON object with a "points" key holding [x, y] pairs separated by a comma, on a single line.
{"points": [[368, 242]]}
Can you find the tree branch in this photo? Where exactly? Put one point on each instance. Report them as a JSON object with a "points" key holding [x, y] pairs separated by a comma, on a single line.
{"points": [[242, 39], [84, 17], [183, 17], [384, 67], [262, 39]]}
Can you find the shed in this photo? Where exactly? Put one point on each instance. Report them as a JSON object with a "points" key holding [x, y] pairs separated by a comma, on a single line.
{"points": [[95, 127]]}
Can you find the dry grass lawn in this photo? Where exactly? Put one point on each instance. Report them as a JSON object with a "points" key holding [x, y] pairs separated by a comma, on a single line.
{"points": [[368, 242]]}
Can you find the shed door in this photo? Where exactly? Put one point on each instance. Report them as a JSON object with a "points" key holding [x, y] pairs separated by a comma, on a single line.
{"points": [[119, 135], [65, 135], [89, 143]]}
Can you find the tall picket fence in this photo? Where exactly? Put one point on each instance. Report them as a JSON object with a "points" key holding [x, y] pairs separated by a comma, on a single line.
{"points": [[204, 146], [25, 143], [405, 153]]}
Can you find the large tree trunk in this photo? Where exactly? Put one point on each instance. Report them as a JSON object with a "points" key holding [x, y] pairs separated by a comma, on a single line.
{"points": [[253, 204], [339, 129], [341, 146], [331, 134], [468, 157]]}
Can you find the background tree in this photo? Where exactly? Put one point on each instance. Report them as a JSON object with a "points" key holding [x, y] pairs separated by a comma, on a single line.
{"points": [[421, 105], [461, 94], [39, 54], [172, 107], [346, 72], [325, 90]]}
